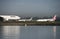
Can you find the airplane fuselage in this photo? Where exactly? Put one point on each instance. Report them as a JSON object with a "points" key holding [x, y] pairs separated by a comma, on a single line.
{"points": [[10, 17], [45, 20], [52, 19]]}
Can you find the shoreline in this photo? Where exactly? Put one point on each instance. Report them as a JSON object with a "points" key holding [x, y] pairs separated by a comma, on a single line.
{"points": [[29, 23]]}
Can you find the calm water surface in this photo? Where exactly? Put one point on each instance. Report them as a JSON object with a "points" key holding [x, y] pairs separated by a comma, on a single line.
{"points": [[29, 32]]}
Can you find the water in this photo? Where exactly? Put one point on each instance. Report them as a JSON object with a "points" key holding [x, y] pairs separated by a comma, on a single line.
{"points": [[29, 32]]}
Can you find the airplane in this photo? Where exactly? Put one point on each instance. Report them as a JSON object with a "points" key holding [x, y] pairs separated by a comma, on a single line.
{"points": [[25, 19], [9, 17], [51, 19]]}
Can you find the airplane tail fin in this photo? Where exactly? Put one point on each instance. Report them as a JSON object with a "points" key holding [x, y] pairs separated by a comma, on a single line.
{"points": [[54, 18], [31, 18]]}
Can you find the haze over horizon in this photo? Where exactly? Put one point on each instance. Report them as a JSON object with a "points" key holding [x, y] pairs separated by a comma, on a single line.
{"points": [[30, 7]]}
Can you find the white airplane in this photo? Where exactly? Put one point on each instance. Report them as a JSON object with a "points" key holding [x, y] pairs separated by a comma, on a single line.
{"points": [[25, 19], [9, 17], [52, 19]]}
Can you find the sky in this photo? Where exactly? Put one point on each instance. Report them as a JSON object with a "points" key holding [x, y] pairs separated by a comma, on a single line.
{"points": [[30, 7]]}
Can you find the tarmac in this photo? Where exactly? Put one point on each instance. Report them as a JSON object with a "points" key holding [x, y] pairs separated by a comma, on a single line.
{"points": [[29, 23]]}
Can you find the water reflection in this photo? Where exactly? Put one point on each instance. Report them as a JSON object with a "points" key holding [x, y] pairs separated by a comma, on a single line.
{"points": [[1, 29], [34, 32], [58, 32], [29, 32], [11, 32]]}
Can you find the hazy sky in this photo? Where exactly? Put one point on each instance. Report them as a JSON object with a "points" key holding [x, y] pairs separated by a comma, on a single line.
{"points": [[30, 7]]}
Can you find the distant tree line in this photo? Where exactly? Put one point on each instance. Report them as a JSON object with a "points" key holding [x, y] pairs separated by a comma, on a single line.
{"points": [[58, 19]]}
